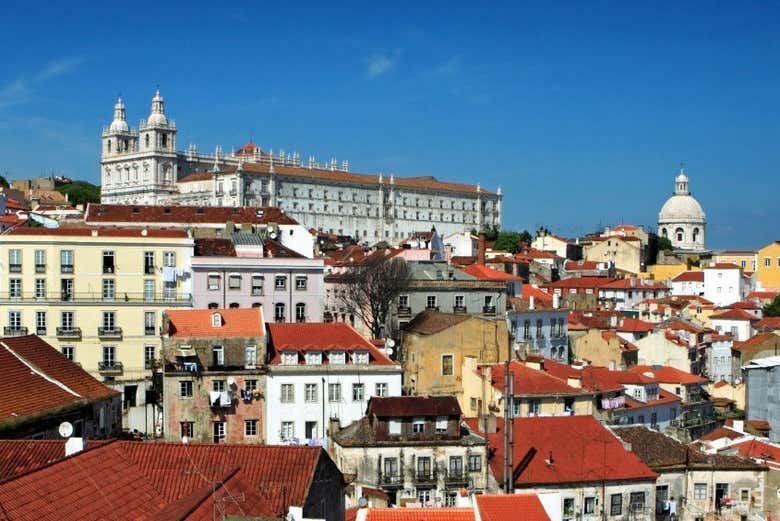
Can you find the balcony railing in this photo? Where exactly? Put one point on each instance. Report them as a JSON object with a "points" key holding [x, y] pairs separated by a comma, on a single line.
{"points": [[112, 333], [424, 477], [97, 297], [69, 333], [391, 480], [432, 308], [15, 268], [150, 330], [456, 476], [459, 309], [40, 268], [404, 311], [14, 331], [110, 368], [66, 268], [279, 318], [488, 310]]}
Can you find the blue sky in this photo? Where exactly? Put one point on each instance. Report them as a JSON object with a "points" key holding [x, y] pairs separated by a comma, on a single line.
{"points": [[580, 111]]}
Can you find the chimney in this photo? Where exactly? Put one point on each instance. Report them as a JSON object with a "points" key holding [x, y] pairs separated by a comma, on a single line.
{"points": [[556, 301], [481, 249], [334, 426], [531, 302]]}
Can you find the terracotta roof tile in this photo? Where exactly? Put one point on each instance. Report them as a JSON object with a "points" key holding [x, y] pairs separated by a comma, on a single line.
{"points": [[588, 452], [733, 314], [242, 322], [196, 176], [104, 231], [183, 215], [690, 276], [403, 406], [580, 282], [722, 266], [768, 322], [532, 382], [420, 514], [509, 507], [762, 340], [485, 273], [320, 336], [21, 456], [668, 375], [429, 322]]}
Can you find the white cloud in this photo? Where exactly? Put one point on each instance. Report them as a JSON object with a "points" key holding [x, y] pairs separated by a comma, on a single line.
{"points": [[379, 64], [18, 91], [59, 68]]}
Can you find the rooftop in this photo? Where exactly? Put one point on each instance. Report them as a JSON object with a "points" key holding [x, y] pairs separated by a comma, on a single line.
{"points": [[528, 381], [408, 406], [734, 314], [183, 215], [430, 322], [219, 323], [484, 273], [508, 507], [667, 375], [690, 276], [319, 336], [420, 514]]}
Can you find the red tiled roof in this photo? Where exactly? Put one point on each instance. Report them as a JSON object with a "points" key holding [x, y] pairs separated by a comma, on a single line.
{"points": [[664, 397], [539, 295], [580, 282], [532, 382], [319, 336], [690, 276], [149, 233], [723, 266], [420, 514], [581, 265], [634, 325], [635, 283], [485, 273], [509, 507], [757, 341], [679, 325], [38, 380], [241, 322], [759, 425], [214, 248], [183, 215], [668, 375], [581, 450], [763, 295], [761, 451], [733, 314], [403, 406], [21, 456], [625, 345], [596, 378], [374, 492], [350, 514], [742, 305], [196, 176], [721, 432], [768, 322]]}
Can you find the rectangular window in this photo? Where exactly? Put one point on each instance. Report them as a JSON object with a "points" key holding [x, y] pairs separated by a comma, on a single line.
{"points": [[217, 356], [40, 261], [460, 302], [234, 281], [475, 463], [15, 288], [568, 508], [169, 259], [66, 261], [287, 432], [767, 261], [40, 288], [68, 352], [149, 353], [526, 330], [441, 424], [590, 505], [310, 393], [187, 429], [334, 392], [218, 430], [616, 505], [258, 282], [381, 389], [430, 301], [534, 407], [313, 358], [636, 502], [280, 282], [403, 301], [15, 261], [108, 262], [394, 427], [337, 358], [301, 282], [213, 281], [744, 495], [109, 320], [250, 385], [218, 386], [358, 392], [148, 263], [149, 290], [109, 289], [418, 425], [40, 323], [109, 356], [287, 393], [150, 322], [446, 365], [700, 491], [360, 357], [67, 320], [250, 357], [250, 428], [14, 320], [538, 329], [310, 430], [66, 289]]}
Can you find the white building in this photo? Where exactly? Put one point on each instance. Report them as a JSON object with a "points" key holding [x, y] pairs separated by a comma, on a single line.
{"points": [[689, 283], [142, 166], [682, 219], [724, 284], [736, 322], [318, 373]]}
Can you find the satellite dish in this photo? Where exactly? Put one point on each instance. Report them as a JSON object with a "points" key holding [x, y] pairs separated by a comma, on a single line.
{"points": [[390, 342], [389, 351], [362, 502], [66, 429], [185, 439], [272, 234]]}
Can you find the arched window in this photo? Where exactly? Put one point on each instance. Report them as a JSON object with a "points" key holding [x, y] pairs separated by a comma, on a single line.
{"points": [[108, 146], [165, 140], [664, 232], [213, 305], [257, 304], [695, 234], [300, 312], [680, 233], [234, 305], [146, 139], [279, 315]]}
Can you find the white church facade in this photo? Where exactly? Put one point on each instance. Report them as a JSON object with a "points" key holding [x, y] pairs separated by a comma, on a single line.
{"points": [[143, 166], [682, 219]]}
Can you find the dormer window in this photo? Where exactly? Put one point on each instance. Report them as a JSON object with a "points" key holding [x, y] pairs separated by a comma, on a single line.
{"points": [[338, 357], [290, 358], [313, 358], [216, 320], [360, 357]]}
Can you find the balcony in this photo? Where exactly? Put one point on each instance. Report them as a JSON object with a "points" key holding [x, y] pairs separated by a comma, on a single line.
{"points": [[404, 311], [69, 333], [279, 318], [432, 308], [300, 320], [488, 310], [150, 330], [184, 299], [456, 477], [110, 368], [66, 268], [40, 268], [15, 268], [110, 333], [459, 309], [148, 270], [391, 480], [424, 478], [14, 331]]}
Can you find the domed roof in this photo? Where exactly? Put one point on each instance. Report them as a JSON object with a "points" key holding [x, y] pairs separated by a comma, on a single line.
{"points": [[157, 115], [119, 124], [681, 208], [681, 178]]}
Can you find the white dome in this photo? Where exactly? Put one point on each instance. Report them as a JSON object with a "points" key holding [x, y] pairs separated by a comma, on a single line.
{"points": [[157, 115], [118, 126], [681, 208], [157, 118], [681, 178]]}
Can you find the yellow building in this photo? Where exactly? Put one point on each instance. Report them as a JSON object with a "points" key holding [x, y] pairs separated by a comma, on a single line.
{"points": [[97, 294], [624, 252], [745, 259], [436, 347], [667, 271], [768, 266]]}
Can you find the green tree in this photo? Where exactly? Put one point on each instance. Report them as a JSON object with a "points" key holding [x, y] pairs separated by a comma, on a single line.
{"points": [[664, 244], [525, 236], [507, 241], [81, 192], [773, 309], [4, 181]]}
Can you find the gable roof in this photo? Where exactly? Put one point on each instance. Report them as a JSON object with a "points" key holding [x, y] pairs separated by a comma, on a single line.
{"points": [[420, 514], [37, 380], [768, 322], [404, 406], [668, 375], [484, 273], [22, 456], [429, 322], [532, 382], [733, 314], [690, 276], [507, 507], [580, 282], [320, 336], [761, 340], [239, 322], [581, 449]]}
